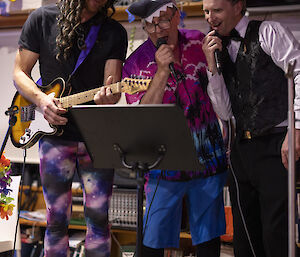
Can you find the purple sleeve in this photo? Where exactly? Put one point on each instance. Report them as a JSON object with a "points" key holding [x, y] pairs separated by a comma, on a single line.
{"points": [[128, 71]]}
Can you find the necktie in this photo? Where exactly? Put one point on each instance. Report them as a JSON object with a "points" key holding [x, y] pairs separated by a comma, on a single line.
{"points": [[234, 35]]}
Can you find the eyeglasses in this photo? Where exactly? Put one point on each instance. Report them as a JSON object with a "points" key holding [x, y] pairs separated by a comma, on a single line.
{"points": [[162, 24]]}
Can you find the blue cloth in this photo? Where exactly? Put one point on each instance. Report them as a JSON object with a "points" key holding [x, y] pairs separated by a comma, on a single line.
{"points": [[89, 42], [205, 208]]}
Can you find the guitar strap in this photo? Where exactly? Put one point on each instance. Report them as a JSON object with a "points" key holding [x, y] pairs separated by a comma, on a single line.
{"points": [[89, 42]]}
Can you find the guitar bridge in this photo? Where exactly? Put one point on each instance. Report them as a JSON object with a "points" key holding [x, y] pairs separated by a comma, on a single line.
{"points": [[28, 113]]}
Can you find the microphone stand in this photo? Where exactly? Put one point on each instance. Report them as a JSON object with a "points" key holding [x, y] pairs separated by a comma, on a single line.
{"points": [[291, 160], [11, 111]]}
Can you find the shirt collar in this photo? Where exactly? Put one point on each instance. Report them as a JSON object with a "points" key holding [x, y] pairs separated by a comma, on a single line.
{"points": [[241, 27]]}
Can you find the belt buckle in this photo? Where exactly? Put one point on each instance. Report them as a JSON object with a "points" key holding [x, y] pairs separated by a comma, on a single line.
{"points": [[247, 134]]}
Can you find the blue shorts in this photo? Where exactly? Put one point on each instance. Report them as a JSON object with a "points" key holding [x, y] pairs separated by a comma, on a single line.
{"points": [[205, 208]]}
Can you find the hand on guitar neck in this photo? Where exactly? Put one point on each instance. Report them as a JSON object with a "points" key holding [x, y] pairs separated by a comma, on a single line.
{"points": [[105, 95], [52, 109]]}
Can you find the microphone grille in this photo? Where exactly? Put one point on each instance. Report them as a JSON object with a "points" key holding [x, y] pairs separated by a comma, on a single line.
{"points": [[161, 41]]}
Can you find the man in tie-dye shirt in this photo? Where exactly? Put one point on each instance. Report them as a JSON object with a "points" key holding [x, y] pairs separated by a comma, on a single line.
{"points": [[203, 188]]}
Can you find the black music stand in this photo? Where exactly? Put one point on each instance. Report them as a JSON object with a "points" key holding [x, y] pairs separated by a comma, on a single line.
{"points": [[140, 138]]}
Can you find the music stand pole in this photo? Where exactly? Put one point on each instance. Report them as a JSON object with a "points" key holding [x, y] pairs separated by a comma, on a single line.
{"points": [[291, 162], [140, 168]]}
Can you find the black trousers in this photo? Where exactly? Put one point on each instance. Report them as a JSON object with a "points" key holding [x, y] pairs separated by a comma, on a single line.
{"points": [[207, 249], [259, 187]]}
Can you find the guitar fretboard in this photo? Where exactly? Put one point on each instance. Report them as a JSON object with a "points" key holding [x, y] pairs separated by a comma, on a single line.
{"points": [[87, 96]]}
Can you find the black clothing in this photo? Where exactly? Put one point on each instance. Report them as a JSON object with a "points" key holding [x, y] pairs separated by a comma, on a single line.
{"points": [[258, 183], [264, 202], [150, 252], [39, 36], [257, 87], [210, 248]]}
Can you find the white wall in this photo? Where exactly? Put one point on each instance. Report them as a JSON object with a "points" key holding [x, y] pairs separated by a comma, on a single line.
{"points": [[8, 47]]}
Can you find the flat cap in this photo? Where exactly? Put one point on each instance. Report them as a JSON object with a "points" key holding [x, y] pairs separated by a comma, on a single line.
{"points": [[147, 9]]}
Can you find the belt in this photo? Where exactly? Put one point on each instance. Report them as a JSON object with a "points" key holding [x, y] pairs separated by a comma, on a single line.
{"points": [[247, 134]]}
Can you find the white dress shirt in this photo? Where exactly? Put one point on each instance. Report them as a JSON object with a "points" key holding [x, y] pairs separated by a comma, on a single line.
{"points": [[277, 42]]}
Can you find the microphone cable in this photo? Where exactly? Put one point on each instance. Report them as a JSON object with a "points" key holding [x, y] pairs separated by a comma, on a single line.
{"points": [[230, 131], [147, 215], [20, 199]]}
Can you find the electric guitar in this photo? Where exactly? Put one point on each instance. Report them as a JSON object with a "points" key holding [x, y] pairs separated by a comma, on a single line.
{"points": [[31, 124]]}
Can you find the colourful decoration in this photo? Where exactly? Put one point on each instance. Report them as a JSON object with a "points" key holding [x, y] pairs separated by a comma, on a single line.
{"points": [[4, 6], [6, 207], [131, 38], [131, 17], [3, 9], [182, 16]]}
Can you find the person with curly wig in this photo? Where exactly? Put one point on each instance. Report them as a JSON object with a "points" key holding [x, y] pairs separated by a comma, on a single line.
{"points": [[78, 41]]}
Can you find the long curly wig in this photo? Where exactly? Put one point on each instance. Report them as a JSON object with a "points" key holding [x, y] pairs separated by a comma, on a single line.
{"points": [[69, 20]]}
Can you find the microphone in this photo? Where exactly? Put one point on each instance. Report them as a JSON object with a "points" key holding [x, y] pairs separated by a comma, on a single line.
{"points": [[162, 41], [217, 56], [217, 60]]}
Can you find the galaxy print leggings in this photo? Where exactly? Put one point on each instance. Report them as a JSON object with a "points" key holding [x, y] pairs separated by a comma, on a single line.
{"points": [[59, 159]]}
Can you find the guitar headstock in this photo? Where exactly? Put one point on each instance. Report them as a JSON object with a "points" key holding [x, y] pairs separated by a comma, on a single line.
{"points": [[133, 85]]}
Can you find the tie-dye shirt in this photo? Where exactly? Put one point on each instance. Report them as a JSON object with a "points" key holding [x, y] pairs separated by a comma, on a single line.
{"points": [[190, 95]]}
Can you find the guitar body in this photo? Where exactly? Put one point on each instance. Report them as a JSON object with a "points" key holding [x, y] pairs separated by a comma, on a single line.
{"points": [[31, 124]]}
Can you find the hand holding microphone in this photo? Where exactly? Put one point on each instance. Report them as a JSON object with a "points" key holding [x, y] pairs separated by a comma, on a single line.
{"points": [[212, 46], [165, 55], [163, 41]]}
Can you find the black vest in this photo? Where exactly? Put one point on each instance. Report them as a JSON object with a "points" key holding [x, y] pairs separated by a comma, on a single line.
{"points": [[257, 87]]}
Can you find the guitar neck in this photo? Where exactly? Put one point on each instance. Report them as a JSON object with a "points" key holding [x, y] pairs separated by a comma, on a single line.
{"points": [[87, 96]]}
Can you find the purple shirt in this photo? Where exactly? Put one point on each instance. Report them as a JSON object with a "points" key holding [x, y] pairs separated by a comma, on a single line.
{"points": [[191, 96]]}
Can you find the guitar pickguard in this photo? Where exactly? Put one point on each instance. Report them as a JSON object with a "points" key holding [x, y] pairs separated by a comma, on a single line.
{"points": [[38, 128]]}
